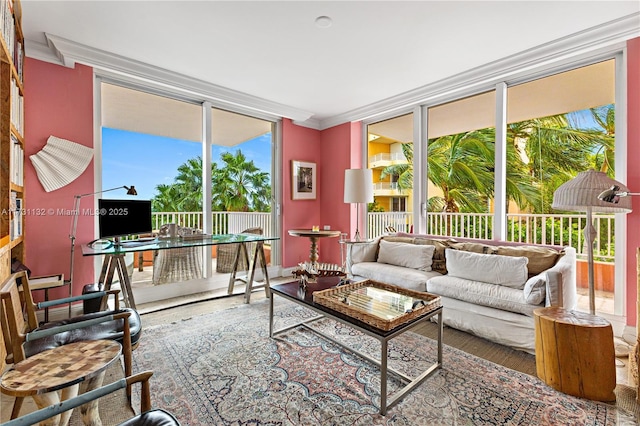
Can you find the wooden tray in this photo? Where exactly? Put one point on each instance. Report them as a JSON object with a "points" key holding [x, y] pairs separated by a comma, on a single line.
{"points": [[380, 305]]}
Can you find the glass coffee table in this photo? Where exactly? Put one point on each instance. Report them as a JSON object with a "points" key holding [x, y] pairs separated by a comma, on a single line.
{"points": [[388, 314]]}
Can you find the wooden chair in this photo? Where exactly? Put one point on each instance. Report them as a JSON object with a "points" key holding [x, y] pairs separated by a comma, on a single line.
{"points": [[19, 333], [148, 416]]}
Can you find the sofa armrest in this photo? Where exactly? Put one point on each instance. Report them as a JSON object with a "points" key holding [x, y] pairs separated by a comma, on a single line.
{"points": [[361, 252], [554, 289], [561, 281]]}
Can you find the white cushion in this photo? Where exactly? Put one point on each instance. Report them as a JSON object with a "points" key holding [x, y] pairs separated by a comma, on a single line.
{"points": [[408, 278], [481, 293], [412, 256], [509, 271], [535, 289]]}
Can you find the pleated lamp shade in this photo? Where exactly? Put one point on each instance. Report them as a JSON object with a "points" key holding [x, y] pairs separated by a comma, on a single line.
{"points": [[583, 190], [60, 162]]}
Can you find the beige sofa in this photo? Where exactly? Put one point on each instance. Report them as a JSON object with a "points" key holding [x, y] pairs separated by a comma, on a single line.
{"points": [[488, 288]]}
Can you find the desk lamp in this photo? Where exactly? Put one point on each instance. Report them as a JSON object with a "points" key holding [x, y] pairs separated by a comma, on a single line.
{"points": [[131, 190]]}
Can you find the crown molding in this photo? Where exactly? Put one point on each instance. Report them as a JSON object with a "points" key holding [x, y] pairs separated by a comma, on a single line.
{"points": [[607, 38], [604, 39], [69, 52]]}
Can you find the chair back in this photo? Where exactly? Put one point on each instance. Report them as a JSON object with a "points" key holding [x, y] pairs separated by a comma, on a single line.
{"points": [[4, 351], [12, 318]]}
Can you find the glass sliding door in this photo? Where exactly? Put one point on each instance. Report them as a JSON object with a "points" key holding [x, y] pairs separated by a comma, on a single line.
{"points": [[242, 180], [558, 126], [460, 167], [390, 156]]}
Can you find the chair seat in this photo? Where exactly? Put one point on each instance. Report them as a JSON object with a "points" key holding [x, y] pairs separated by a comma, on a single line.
{"points": [[155, 417], [111, 330]]}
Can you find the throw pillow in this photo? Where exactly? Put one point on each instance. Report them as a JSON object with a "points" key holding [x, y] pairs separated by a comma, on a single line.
{"points": [[412, 256], [474, 247], [488, 268], [362, 252], [535, 289], [540, 258], [439, 261]]}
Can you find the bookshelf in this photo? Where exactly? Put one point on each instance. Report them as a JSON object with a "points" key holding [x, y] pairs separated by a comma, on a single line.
{"points": [[12, 195]]}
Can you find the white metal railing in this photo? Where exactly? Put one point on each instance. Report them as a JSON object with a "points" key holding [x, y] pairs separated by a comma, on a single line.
{"points": [[385, 156], [223, 222], [559, 229], [388, 186]]}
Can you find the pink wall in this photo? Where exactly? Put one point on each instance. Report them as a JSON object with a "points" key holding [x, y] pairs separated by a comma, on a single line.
{"points": [[59, 102], [332, 151], [337, 156], [299, 144], [633, 172]]}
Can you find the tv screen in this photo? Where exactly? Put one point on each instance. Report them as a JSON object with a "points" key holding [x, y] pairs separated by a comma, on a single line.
{"points": [[118, 218]]}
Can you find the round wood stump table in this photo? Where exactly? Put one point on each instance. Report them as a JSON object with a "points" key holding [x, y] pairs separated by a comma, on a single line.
{"points": [[575, 353]]}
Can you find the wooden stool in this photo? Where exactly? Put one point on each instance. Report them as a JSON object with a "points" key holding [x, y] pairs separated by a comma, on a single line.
{"points": [[575, 353]]}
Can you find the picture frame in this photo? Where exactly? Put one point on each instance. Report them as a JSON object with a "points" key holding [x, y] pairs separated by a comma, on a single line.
{"points": [[303, 180]]}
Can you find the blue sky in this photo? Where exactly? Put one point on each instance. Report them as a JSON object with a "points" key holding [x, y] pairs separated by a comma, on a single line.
{"points": [[145, 161]]}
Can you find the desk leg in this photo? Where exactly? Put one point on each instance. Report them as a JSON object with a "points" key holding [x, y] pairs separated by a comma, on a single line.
{"points": [[258, 254], [234, 271], [125, 283], [252, 272], [106, 277]]}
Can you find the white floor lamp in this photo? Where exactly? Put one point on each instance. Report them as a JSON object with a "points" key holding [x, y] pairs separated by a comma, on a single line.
{"points": [[131, 190], [587, 193], [358, 188]]}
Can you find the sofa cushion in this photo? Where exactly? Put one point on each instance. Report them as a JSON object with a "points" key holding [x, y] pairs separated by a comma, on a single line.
{"points": [[489, 268], [412, 279], [412, 256], [540, 258], [481, 293], [535, 289]]}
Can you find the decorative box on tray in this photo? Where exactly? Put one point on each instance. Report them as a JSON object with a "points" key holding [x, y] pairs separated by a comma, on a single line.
{"points": [[383, 306]]}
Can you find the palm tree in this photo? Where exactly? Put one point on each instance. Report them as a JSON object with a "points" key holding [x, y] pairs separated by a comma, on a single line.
{"points": [[239, 184]]}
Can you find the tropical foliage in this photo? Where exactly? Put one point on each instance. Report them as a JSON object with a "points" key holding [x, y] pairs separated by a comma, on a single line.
{"points": [[237, 185], [542, 153]]}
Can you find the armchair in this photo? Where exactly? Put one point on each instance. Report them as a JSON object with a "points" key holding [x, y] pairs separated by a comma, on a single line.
{"points": [[226, 254], [15, 329], [68, 374], [148, 416]]}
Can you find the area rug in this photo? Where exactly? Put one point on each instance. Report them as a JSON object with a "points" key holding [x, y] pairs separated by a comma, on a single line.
{"points": [[223, 369]]}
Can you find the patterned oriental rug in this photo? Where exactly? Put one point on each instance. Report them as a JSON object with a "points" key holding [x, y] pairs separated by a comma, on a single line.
{"points": [[223, 369]]}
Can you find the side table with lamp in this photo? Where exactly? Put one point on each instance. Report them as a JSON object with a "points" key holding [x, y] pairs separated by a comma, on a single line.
{"points": [[575, 350]]}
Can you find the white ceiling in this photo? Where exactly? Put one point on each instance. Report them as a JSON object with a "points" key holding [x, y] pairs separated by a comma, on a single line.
{"points": [[273, 51]]}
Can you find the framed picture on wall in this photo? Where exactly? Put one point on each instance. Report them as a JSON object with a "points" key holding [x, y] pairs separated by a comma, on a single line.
{"points": [[303, 180]]}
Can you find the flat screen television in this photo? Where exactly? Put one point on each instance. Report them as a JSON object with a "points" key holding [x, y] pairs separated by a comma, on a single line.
{"points": [[118, 218]]}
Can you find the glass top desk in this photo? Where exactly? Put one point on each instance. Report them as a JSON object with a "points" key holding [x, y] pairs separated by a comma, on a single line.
{"points": [[114, 258]]}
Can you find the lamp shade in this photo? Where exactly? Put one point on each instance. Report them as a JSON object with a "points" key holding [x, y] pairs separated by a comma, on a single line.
{"points": [[358, 186], [583, 190]]}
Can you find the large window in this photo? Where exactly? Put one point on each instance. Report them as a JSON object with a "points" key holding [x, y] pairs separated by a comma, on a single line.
{"points": [[218, 182]]}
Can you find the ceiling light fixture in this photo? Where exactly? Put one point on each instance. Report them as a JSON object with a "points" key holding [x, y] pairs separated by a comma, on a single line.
{"points": [[323, 22]]}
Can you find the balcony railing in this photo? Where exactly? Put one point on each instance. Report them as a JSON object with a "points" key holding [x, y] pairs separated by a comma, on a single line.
{"points": [[223, 222], [561, 229]]}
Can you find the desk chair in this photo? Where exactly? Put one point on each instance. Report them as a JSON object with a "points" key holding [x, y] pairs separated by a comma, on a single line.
{"points": [[118, 325], [148, 416]]}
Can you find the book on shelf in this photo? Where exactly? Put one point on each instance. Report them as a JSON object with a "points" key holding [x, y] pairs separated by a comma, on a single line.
{"points": [[16, 166]]}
